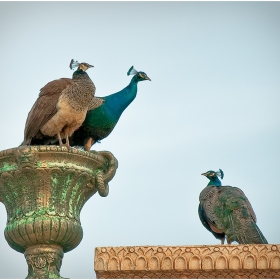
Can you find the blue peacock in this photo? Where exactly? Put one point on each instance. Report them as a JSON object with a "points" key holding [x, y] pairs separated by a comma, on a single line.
{"points": [[100, 122], [227, 213]]}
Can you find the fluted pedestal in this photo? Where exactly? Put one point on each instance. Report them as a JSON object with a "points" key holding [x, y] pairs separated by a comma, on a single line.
{"points": [[44, 189], [216, 261]]}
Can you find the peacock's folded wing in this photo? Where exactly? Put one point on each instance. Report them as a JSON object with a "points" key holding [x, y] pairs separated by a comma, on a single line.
{"points": [[249, 206], [44, 107], [206, 223], [208, 201]]}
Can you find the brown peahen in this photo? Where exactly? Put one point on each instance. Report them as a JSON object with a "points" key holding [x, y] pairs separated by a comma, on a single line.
{"points": [[227, 213], [61, 107]]}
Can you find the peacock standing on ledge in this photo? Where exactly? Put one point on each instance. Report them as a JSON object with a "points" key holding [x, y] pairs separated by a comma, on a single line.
{"points": [[100, 122], [227, 213]]}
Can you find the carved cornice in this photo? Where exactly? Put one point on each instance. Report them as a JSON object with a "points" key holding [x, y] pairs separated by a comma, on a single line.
{"points": [[215, 261]]}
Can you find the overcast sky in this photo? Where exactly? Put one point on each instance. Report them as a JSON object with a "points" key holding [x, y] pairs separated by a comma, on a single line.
{"points": [[213, 102]]}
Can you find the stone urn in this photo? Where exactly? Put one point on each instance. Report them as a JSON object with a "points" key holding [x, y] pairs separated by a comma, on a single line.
{"points": [[44, 189]]}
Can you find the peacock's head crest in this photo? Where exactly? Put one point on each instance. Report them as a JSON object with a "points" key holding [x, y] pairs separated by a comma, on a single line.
{"points": [[220, 173], [214, 174], [140, 76], [82, 66]]}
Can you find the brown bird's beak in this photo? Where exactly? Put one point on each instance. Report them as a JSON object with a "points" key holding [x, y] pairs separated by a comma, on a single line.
{"points": [[89, 66], [147, 78]]}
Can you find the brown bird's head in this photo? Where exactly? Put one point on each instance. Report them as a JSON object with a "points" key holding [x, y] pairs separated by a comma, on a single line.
{"points": [[82, 66]]}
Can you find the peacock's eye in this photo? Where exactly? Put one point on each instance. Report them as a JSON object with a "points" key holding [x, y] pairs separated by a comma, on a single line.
{"points": [[141, 75]]}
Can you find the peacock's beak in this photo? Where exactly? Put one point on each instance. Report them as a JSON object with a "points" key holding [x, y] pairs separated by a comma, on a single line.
{"points": [[204, 174], [89, 66], [147, 78]]}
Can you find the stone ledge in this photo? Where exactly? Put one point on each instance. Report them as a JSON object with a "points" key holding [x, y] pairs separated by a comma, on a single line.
{"points": [[200, 261]]}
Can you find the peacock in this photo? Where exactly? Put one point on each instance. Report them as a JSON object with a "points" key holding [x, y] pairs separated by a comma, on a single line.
{"points": [[100, 122], [227, 213], [61, 107]]}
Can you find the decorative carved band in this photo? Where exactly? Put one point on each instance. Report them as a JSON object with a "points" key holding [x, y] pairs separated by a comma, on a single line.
{"points": [[44, 261], [221, 261]]}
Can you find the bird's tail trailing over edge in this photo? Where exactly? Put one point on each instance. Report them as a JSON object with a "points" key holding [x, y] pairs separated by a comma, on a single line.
{"points": [[132, 71], [244, 231]]}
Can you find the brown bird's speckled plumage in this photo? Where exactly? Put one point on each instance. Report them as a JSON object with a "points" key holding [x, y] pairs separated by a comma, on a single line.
{"points": [[61, 107]]}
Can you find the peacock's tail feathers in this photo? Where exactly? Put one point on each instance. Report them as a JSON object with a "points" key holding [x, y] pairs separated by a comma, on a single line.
{"points": [[238, 218], [261, 236], [132, 71], [244, 230], [230, 211]]}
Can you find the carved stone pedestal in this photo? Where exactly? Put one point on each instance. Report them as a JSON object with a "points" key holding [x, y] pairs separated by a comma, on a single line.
{"points": [[44, 261], [219, 261], [44, 189]]}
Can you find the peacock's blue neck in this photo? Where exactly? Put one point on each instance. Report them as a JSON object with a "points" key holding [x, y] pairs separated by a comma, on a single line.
{"points": [[214, 181], [119, 101]]}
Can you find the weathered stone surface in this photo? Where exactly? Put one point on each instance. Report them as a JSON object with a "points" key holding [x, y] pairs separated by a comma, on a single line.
{"points": [[44, 189], [215, 261]]}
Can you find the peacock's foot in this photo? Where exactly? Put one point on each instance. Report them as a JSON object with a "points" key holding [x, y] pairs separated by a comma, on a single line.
{"points": [[66, 146]]}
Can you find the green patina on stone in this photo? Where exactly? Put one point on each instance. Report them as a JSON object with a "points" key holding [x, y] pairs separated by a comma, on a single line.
{"points": [[42, 211], [54, 180], [18, 212], [73, 195], [44, 198], [8, 198], [67, 183], [7, 167]]}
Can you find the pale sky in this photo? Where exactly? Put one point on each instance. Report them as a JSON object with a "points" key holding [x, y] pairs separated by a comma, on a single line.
{"points": [[213, 102]]}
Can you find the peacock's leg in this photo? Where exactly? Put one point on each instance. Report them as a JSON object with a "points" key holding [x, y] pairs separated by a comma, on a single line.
{"points": [[88, 144], [59, 139], [67, 142], [229, 241]]}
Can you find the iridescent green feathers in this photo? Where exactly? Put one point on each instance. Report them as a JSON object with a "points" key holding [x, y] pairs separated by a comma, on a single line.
{"points": [[226, 212], [100, 123]]}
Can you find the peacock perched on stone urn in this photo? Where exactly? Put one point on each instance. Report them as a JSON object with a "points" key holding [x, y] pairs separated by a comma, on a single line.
{"points": [[44, 189]]}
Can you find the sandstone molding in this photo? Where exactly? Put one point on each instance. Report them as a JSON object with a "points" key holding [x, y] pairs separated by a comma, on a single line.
{"points": [[205, 261]]}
